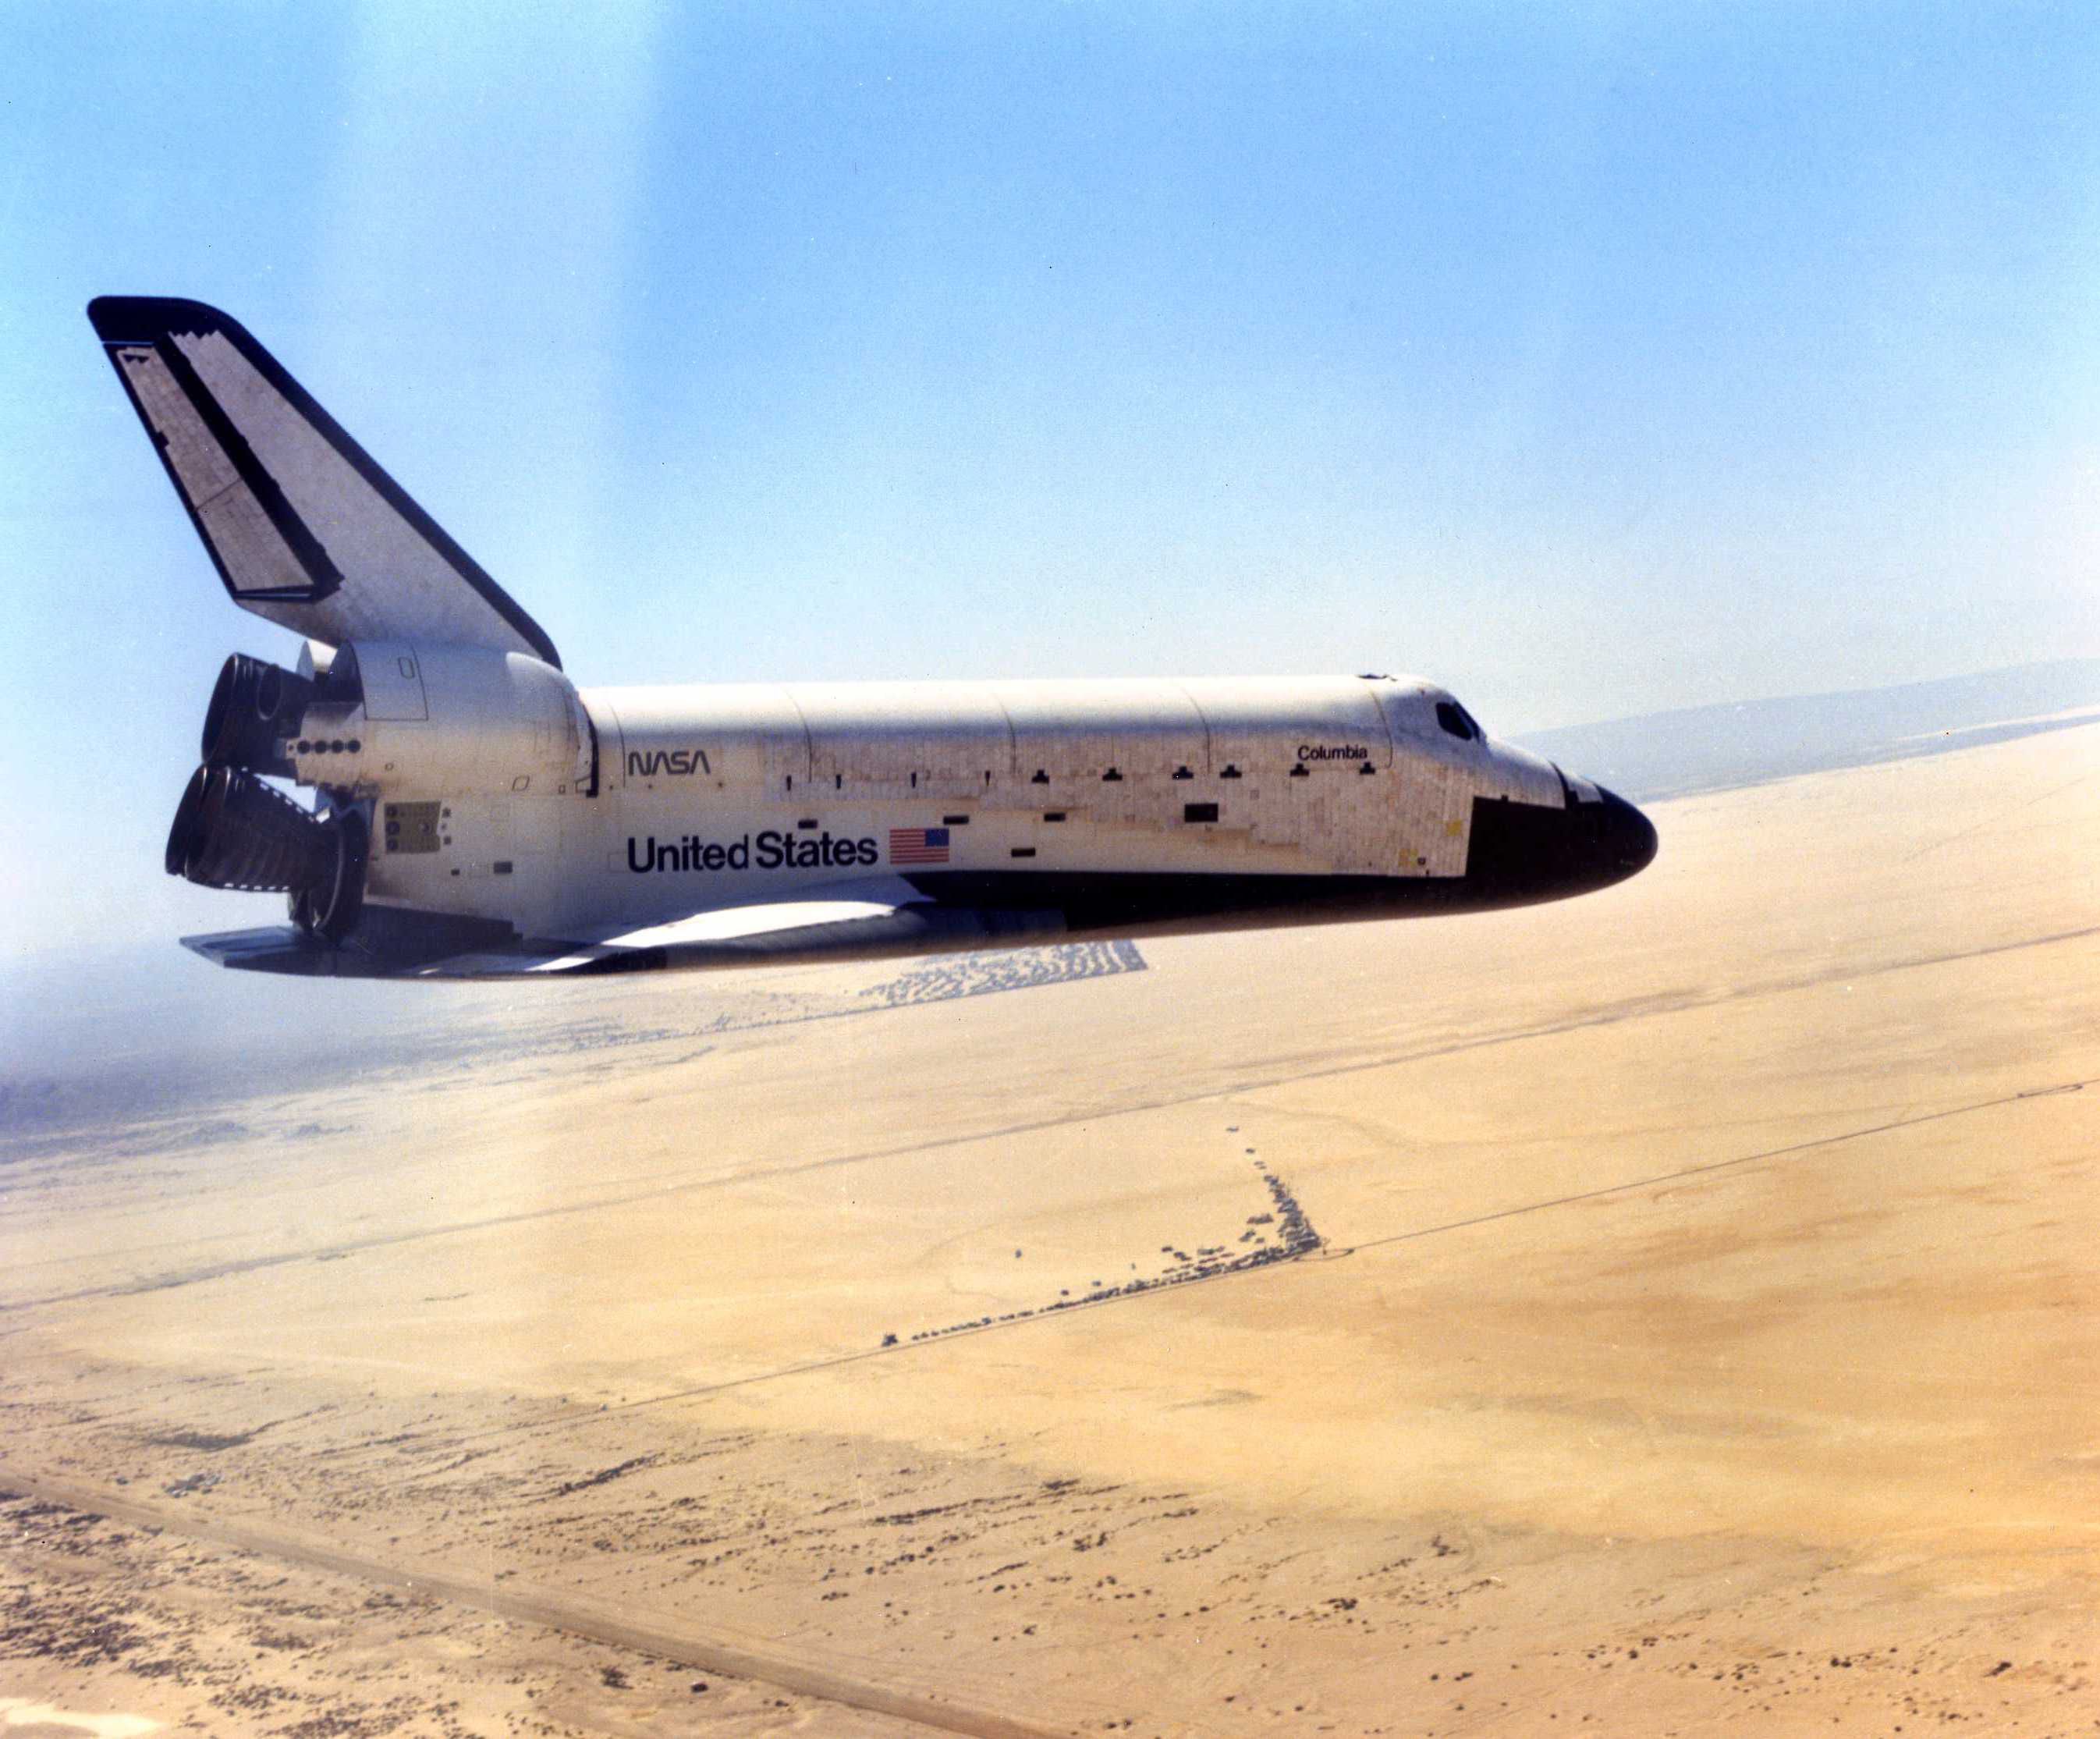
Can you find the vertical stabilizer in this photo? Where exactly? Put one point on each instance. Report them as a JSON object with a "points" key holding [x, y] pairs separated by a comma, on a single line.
{"points": [[304, 528]]}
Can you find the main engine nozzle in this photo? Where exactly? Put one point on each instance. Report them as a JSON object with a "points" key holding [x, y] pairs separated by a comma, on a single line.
{"points": [[254, 707], [232, 831]]}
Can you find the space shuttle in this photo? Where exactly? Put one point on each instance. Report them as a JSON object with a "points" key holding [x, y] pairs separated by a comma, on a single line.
{"points": [[475, 813]]}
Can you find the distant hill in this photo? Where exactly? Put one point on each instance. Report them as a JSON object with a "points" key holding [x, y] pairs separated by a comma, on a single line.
{"points": [[1749, 742]]}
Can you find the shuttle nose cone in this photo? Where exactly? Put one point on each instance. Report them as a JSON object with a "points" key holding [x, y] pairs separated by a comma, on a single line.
{"points": [[1523, 852], [1626, 838]]}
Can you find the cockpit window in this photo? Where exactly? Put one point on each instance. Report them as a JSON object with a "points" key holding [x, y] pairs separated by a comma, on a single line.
{"points": [[1458, 720]]}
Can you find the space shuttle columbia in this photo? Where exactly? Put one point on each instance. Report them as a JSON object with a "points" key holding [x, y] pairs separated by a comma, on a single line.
{"points": [[476, 814]]}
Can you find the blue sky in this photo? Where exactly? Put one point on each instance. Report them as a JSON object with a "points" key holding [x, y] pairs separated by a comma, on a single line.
{"points": [[1591, 360]]}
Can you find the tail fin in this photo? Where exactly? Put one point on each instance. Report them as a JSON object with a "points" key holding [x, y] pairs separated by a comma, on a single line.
{"points": [[304, 528]]}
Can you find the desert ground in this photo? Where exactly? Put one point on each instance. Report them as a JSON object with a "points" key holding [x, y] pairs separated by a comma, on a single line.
{"points": [[1673, 1312]]}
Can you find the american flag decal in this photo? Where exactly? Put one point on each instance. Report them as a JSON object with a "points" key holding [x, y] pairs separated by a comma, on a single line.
{"points": [[918, 846]]}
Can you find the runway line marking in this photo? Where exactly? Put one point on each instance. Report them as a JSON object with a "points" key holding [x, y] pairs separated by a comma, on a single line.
{"points": [[1636, 1010], [1714, 1165], [1324, 1250]]}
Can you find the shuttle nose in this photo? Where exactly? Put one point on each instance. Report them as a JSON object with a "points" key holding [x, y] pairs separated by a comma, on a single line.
{"points": [[1626, 838], [1523, 852]]}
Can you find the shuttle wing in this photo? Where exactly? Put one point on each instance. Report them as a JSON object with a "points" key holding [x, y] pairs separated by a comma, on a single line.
{"points": [[848, 921]]}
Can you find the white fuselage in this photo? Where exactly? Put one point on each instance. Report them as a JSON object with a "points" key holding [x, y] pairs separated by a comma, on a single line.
{"points": [[478, 814], [720, 795]]}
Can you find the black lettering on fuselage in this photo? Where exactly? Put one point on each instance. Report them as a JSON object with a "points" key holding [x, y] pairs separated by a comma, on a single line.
{"points": [[769, 850], [679, 762]]}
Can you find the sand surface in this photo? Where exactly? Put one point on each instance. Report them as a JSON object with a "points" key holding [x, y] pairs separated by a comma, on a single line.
{"points": [[1676, 1311]]}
